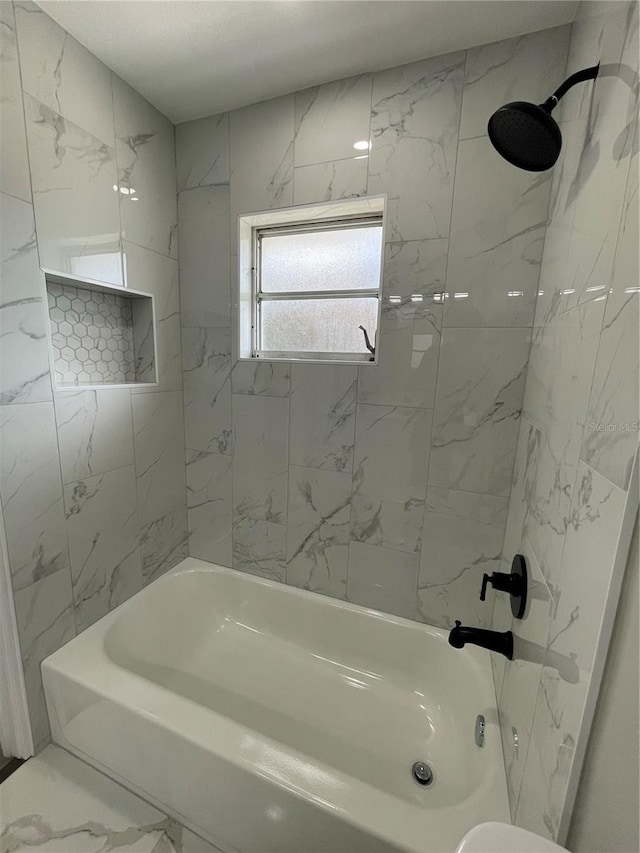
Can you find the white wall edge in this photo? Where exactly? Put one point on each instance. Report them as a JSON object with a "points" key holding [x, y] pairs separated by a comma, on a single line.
{"points": [[630, 515]]}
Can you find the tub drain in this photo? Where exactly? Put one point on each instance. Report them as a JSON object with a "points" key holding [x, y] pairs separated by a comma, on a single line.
{"points": [[422, 773]]}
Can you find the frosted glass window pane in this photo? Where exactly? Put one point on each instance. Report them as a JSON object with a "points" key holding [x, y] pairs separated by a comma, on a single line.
{"points": [[318, 325], [322, 260]]}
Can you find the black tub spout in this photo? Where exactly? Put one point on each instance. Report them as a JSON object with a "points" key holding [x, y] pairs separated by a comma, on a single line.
{"points": [[492, 640]]}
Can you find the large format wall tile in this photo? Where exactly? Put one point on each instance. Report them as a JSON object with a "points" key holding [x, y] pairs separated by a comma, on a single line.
{"points": [[209, 506], [462, 539], [264, 378], [146, 164], [414, 132], [323, 416], [158, 435], [527, 68], [104, 543], [496, 246], [24, 355], [261, 157], [157, 274], [73, 174], [382, 579], [95, 431], [31, 491], [260, 548], [207, 389], [60, 73], [205, 275], [163, 543], [390, 472], [318, 530], [260, 429], [329, 119], [14, 164], [45, 617], [478, 402], [331, 181], [202, 152]]}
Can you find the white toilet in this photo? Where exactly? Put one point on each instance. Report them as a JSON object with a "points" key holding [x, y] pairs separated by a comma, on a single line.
{"points": [[496, 837]]}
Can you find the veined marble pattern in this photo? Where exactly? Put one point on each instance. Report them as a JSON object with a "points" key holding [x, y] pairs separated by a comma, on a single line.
{"points": [[146, 164], [526, 68], [478, 403], [522, 676], [163, 543], [31, 492], [157, 274], [331, 181], [260, 548], [611, 428], [494, 250], [323, 416], [205, 275], [24, 356], [76, 209], [382, 579], [462, 539], [261, 157], [14, 165], [102, 524], [158, 436], [207, 389], [56, 802], [522, 487], [318, 530], [414, 131], [414, 268], [262, 378], [45, 618], [209, 506], [95, 432], [202, 152], [260, 429], [329, 119], [389, 481], [62, 74]]}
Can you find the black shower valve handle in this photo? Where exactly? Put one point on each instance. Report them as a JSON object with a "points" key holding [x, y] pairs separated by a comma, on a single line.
{"points": [[501, 581]]}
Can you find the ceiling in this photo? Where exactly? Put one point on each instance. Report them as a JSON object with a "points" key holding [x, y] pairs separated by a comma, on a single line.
{"points": [[192, 59]]}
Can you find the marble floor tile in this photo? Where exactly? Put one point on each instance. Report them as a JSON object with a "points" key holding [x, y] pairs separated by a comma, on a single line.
{"points": [[24, 353], [62, 74], [478, 402], [103, 530], [14, 165], [31, 491], [45, 619], [95, 431], [318, 530], [329, 119], [414, 135], [209, 506], [207, 389], [323, 416], [202, 152], [56, 803]]}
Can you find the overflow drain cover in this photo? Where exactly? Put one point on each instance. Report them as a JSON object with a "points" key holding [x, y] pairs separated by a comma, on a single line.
{"points": [[422, 773]]}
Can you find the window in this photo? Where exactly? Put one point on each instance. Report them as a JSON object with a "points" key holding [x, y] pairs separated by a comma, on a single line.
{"points": [[314, 282]]}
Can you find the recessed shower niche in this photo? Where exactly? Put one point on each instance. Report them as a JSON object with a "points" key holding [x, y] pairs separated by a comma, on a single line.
{"points": [[100, 335]]}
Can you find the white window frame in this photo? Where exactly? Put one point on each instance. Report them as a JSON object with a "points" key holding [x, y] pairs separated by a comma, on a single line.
{"points": [[252, 228]]}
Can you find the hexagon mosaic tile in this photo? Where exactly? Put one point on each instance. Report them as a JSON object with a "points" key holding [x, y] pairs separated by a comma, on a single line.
{"points": [[92, 336]]}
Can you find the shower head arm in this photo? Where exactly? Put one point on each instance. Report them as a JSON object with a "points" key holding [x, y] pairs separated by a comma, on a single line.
{"points": [[579, 77]]}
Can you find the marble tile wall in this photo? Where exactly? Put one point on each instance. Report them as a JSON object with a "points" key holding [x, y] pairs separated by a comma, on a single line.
{"points": [[579, 430], [92, 482], [385, 485]]}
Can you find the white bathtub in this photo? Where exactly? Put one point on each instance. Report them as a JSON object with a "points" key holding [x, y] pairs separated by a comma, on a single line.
{"points": [[267, 718]]}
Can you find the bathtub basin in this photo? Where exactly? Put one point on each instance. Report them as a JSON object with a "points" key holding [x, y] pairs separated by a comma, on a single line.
{"points": [[273, 720]]}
